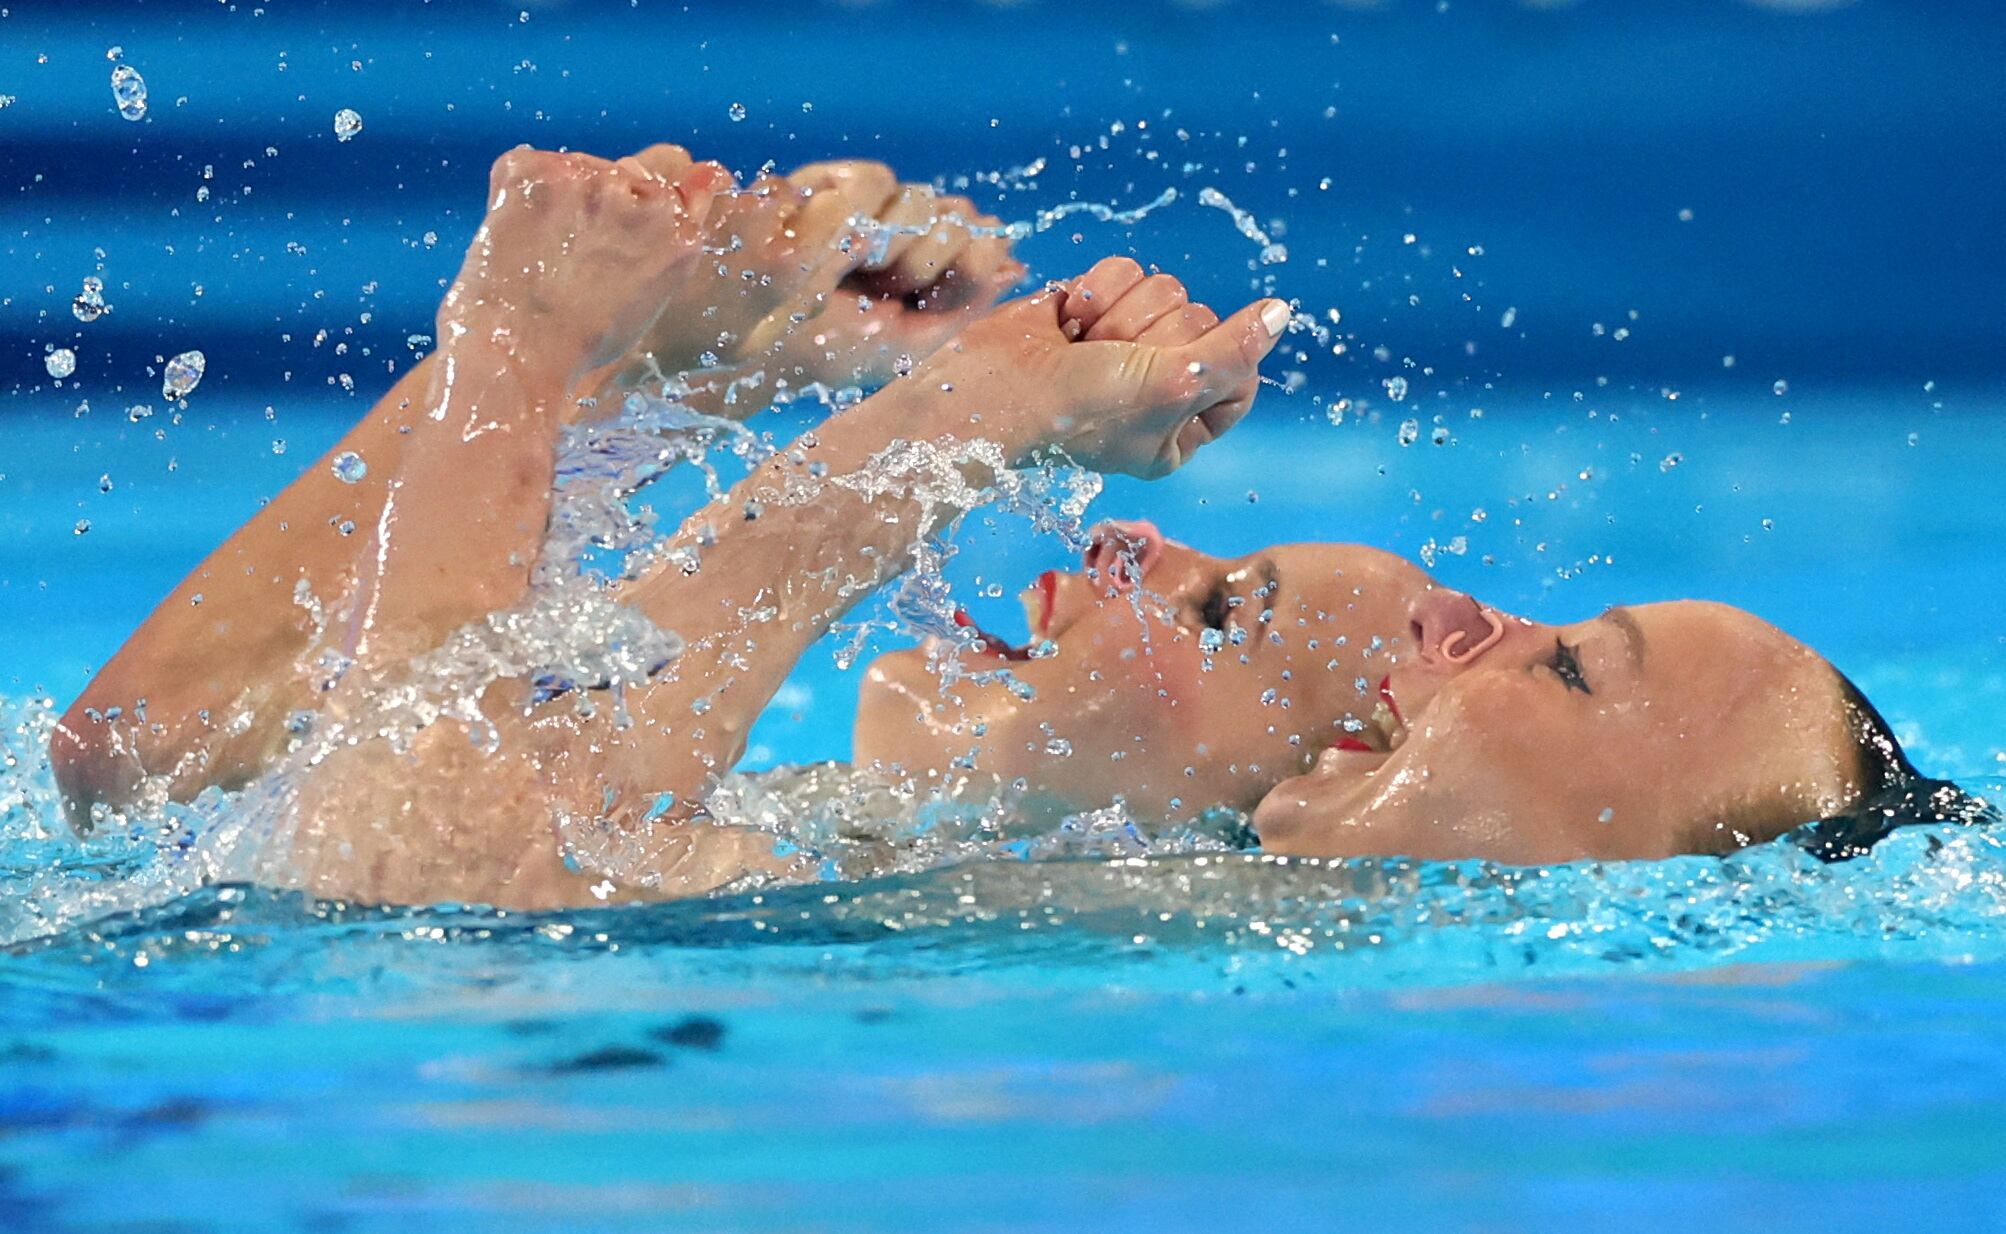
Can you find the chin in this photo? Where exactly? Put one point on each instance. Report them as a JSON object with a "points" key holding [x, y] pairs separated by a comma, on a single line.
{"points": [[894, 709]]}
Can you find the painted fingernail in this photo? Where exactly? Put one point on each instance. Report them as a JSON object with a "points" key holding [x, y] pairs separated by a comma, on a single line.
{"points": [[1275, 316]]}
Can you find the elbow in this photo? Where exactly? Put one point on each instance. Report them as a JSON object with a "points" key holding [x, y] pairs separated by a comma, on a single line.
{"points": [[90, 765]]}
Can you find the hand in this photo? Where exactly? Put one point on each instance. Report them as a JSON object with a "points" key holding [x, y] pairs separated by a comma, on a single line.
{"points": [[1120, 371], [829, 275], [576, 253], [929, 267]]}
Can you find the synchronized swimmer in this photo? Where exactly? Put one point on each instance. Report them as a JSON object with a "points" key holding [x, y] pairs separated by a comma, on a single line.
{"points": [[1333, 692]]}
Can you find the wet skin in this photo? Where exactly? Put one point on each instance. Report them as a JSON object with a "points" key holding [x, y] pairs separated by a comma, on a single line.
{"points": [[587, 273], [1353, 706], [1335, 692]]}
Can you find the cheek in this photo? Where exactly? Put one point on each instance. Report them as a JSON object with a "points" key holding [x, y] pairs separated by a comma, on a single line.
{"points": [[1554, 764], [1160, 678]]}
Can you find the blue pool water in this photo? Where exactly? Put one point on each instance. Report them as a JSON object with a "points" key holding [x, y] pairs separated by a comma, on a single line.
{"points": [[1190, 1042]]}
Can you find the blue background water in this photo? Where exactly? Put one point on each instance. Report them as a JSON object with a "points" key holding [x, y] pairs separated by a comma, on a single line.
{"points": [[272, 1065]]}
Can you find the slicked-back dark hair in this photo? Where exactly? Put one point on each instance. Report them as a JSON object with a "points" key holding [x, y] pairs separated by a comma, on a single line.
{"points": [[1892, 792]]}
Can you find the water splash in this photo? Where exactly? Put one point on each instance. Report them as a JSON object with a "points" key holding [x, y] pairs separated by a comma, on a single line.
{"points": [[1271, 252]]}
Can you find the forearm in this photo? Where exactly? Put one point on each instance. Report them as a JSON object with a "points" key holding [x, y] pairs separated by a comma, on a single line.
{"points": [[200, 692], [777, 561], [459, 525]]}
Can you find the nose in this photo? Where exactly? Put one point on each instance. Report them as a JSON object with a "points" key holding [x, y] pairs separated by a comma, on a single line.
{"points": [[1452, 630], [1120, 554]]}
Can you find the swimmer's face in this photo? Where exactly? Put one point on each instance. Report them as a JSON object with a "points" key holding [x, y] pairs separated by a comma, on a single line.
{"points": [[1181, 680], [1365, 710], [1646, 731]]}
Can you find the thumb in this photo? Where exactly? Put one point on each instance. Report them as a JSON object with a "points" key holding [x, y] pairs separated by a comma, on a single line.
{"points": [[1231, 352], [699, 185]]}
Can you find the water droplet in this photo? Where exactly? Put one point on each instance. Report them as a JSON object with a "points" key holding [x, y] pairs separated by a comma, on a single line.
{"points": [[128, 90], [349, 467], [1781, 387], [83, 526], [60, 362], [278, 445], [89, 304], [1211, 639], [1044, 649], [1396, 388], [347, 123], [1059, 746], [104, 483], [1410, 432], [184, 373], [1670, 461], [138, 412], [736, 111]]}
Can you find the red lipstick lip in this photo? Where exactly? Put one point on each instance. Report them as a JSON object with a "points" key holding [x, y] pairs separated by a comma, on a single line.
{"points": [[1352, 743], [1386, 696], [1048, 592]]}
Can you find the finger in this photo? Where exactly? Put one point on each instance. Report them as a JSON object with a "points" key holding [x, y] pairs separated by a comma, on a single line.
{"points": [[901, 224], [1229, 355], [926, 262], [1095, 292], [1141, 307], [1178, 328], [664, 161], [826, 240], [929, 257], [871, 184], [634, 178], [840, 197], [979, 277], [699, 186], [752, 219]]}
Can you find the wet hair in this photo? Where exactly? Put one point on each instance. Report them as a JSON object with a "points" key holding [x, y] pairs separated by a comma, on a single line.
{"points": [[1892, 792]]}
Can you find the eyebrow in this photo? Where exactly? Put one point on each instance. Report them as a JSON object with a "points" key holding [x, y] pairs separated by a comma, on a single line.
{"points": [[1633, 634]]}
